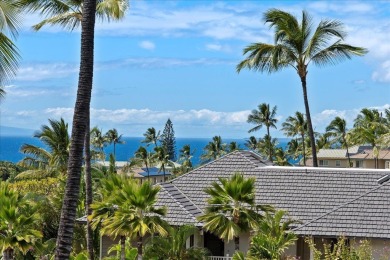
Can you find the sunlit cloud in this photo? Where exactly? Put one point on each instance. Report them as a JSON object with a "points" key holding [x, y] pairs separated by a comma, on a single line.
{"points": [[148, 45]]}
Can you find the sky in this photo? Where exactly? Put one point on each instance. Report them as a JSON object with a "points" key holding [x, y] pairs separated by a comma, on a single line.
{"points": [[177, 60]]}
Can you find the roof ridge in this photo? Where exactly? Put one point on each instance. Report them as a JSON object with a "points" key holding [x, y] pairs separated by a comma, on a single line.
{"points": [[340, 206], [204, 165], [241, 152]]}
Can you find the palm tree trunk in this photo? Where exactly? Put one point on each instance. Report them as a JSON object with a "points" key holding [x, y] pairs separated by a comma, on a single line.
{"points": [[309, 125], [83, 99], [88, 188], [270, 145], [147, 170], [303, 149], [163, 171], [114, 151], [123, 248], [139, 247], [349, 158], [8, 254]]}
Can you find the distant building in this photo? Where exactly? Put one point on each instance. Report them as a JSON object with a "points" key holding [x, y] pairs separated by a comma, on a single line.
{"points": [[155, 175], [361, 156]]}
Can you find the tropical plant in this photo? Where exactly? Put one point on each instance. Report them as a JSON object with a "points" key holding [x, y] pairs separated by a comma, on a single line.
{"points": [[337, 128], [214, 149], [161, 156], [98, 141], [232, 208], [134, 215], [323, 141], [168, 140], [281, 157], [113, 137], [266, 144], [294, 126], [18, 223], [185, 158], [70, 14], [273, 236], [151, 137], [9, 170], [252, 143], [264, 116], [173, 246], [130, 252], [294, 150], [55, 136], [145, 157], [297, 44], [233, 146], [9, 56]]}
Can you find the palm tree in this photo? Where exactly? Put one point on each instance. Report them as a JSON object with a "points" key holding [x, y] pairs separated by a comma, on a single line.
{"points": [[9, 55], [214, 149], [338, 129], [98, 141], [145, 157], [297, 45], [151, 136], [281, 157], [251, 143], [264, 116], [232, 208], [294, 126], [18, 219], [267, 146], [136, 215], [113, 137], [70, 14], [162, 157], [55, 136], [173, 247], [273, 236], [369, 126], [185, 157], [293, 149]]}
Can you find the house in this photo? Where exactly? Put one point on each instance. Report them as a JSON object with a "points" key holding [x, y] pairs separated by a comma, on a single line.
{"points": [[154, 174], [361, 156], [328, 202]]}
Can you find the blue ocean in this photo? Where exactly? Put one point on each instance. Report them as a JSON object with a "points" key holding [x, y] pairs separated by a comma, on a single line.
{"points": [[9, 146]]}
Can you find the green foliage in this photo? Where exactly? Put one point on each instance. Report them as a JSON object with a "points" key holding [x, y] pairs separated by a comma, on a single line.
{"points": [[273, 236], [168, 140], [214, 149], [9, 170], [173, 246], [18, 222], [40, 187], [361, 250], [130, 252], [231, 207]]}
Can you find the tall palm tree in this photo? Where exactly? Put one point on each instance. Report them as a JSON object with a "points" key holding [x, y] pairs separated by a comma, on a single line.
{"points": [[173, 247], [98, 141], [281, 157], [297, 44], [267, 146], [252, 143], [71, 14], [214, 149], [232, 208], [294, 126], [294, 149], [145, 157], [264, 116], [185, 157], [113, 137], [162, 157], [9, 56], [151, 136], [18, 223], [338, 129], [55, 137]]}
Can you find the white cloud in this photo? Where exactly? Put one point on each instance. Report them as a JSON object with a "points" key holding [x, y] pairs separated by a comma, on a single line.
{"points": [[218, 47], [322, 119], [148, 45], [382, 73], [42, 71]]}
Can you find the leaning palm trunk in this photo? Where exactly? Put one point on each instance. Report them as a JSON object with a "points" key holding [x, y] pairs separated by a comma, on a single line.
{"points": [[349, 158], [123, 248], [309, 125], [269, 145], [88, 188], [303, 149], [139, 247], [68, 212]]}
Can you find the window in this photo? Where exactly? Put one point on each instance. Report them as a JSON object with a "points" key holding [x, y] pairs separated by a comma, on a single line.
{"points": [[359, 164], [323, 162], [338, 163], [192, 241], [387, 165]]}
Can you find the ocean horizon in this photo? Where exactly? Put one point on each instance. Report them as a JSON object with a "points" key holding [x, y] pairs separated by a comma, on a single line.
{"points": [[10, 146]]}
